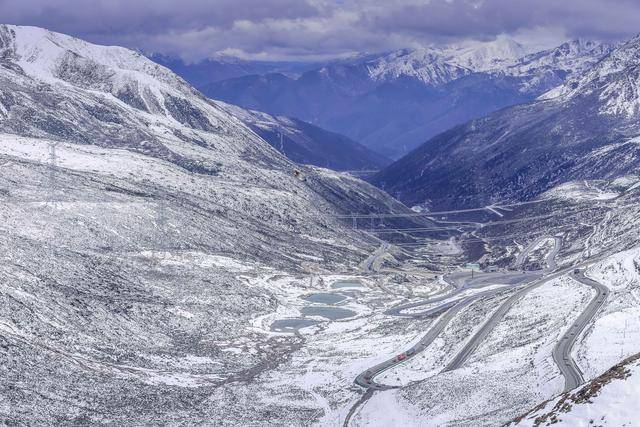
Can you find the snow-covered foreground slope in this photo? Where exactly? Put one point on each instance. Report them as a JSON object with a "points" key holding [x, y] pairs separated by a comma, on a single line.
{"points": [[142, 230], [611, 399], [162, 264]]}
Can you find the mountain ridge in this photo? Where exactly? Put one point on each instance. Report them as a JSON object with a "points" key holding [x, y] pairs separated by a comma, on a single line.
{"points": [[395, 101], [581, 130]]}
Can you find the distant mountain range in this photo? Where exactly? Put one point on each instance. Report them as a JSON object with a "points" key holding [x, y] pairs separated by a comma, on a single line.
{"points": [[587, 128], [300, 141], [307, 144], [393, 102], [224, 67]]}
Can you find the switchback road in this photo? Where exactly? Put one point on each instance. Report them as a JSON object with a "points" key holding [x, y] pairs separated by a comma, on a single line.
{"points": [[562, 351]]}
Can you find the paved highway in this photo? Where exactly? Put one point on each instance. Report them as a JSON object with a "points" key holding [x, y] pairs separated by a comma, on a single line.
{"points": [[460, 282], [366, 379], [522, 256], [562, 351], [473, 343], [450, 309]]}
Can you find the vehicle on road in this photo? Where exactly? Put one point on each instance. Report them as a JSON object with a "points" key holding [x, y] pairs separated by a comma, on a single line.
{"points": [[401, 357]]}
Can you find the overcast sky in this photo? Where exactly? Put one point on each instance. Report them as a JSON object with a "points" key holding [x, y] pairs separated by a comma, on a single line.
{"points": [[319, 29]]}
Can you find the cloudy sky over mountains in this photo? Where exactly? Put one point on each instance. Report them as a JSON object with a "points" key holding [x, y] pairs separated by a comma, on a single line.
{"points": [[318, 29]]}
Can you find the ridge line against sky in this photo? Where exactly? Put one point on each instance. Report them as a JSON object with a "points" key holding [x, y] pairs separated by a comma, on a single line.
{"points": [[311, 30]]}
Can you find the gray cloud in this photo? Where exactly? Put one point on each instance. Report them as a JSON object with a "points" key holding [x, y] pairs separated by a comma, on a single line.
{"points": [[312, 29]]}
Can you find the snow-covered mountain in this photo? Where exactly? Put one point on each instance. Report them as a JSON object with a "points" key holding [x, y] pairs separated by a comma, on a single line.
{"points": [[438, 66], [164, 265], [395, 101], [142, 228], [614, 82], [585, 129]]}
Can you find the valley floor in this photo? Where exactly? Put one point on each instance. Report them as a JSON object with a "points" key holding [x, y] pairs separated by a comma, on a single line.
{"points": [[449, 348]]}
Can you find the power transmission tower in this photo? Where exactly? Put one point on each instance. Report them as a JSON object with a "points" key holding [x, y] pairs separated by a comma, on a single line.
{"points": [[162, 223], [52, 196], [53, 182]]}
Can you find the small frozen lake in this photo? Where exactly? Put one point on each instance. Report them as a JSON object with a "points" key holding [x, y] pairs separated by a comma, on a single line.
{"points": [[346, 284], [291, 325], [330, 313], [324, 298]]}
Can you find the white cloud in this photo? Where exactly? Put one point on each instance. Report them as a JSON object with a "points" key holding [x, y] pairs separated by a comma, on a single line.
{"points": [[314, 29]]}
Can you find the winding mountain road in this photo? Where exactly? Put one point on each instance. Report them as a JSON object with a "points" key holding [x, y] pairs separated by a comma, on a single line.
{"points": [[562, 351], [460, 282], [371, 264], [480, 335], [366, 379], [449, 309]]}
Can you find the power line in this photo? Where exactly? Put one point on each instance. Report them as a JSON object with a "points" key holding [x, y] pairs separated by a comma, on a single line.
{"points": [[479, 240], [490, 208]]}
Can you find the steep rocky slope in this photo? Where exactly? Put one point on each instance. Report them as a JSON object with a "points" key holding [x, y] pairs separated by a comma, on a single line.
{"points": [[584, 129], [609, 400]]}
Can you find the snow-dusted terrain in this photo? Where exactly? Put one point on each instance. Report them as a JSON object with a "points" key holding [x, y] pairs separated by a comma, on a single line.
{"points": [[140, 223], [609, 400], [164, 265]]}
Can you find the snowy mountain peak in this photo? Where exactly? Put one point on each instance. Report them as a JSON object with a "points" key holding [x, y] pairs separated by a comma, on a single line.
{"points": [[485, 56], [40, 53], [438, 66], [427, 65], [56, 86], [55, 58], [615, 81]]}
